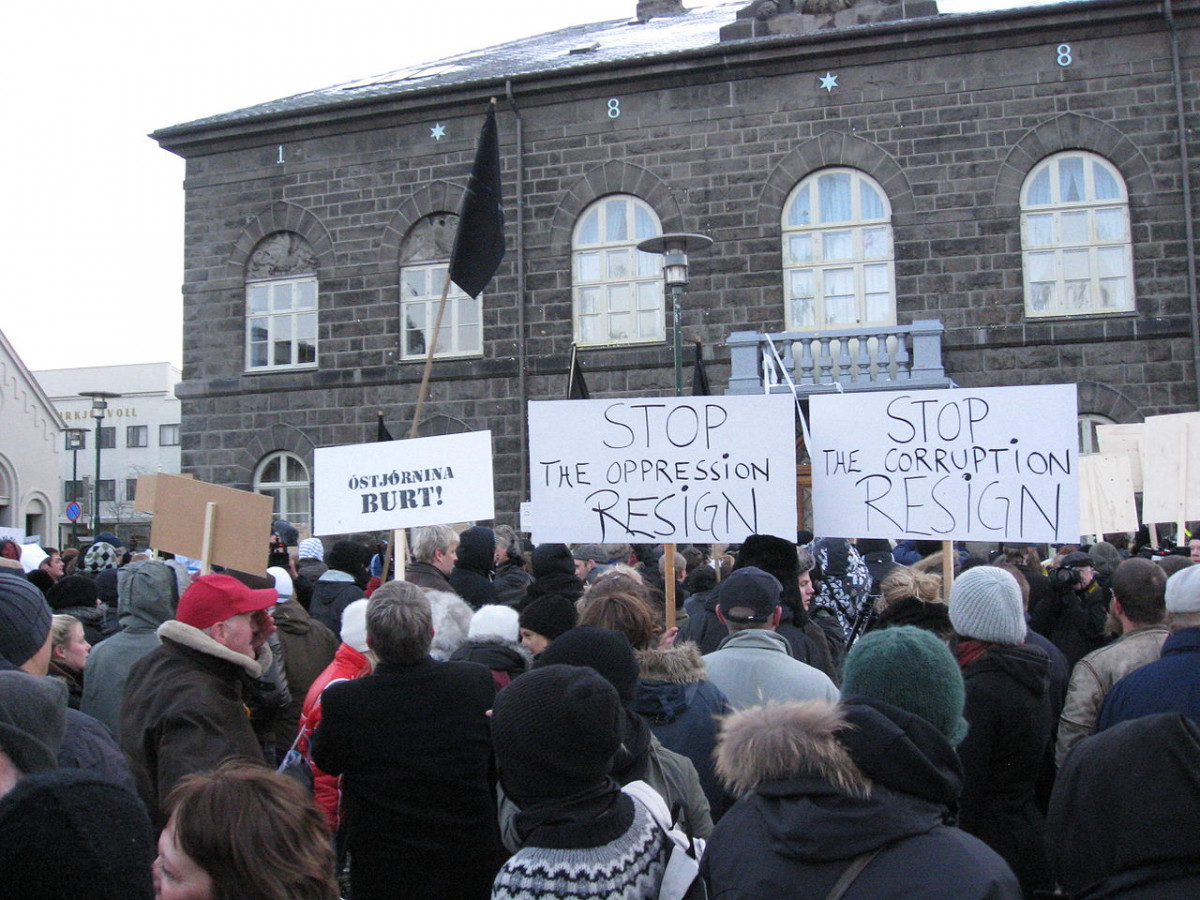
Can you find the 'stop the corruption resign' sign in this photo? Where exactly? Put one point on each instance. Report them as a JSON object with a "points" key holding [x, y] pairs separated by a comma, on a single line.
{"points": [[679, 469], [984, 464], [403, 484]]}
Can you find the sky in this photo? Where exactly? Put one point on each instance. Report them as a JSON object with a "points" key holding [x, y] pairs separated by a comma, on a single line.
{"points": [[91, 236]]}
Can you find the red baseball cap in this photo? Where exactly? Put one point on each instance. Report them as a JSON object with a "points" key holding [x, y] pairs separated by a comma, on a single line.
{"points": [[214, 598]]}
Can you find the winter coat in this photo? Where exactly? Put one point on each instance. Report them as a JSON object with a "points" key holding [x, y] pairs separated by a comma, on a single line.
{"points": [[1008, 711], [1073, 620], [333, 592], [451, 622], [87, 745], [681, 707], [809, 642], [413, 747], [471, 577], [149, 592], [506, 659], [1170, 684], [1095, 675], [755, 665], [183, 710], [347, 665], [428, 576], [553, 573], [842, 579], [791, 839], [512, 581], [308, 648], [71, 678], [1124, 819]]}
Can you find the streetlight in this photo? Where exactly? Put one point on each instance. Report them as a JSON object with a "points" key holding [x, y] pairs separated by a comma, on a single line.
{"points": [[99, 405], [674, 249], [75, 438]]}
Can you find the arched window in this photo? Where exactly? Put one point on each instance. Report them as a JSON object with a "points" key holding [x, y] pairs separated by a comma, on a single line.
{"points": [[424, 261], [838, 269], [618, 289], [1077, 256], [284, 477], [281, 304], [1088, 441]]}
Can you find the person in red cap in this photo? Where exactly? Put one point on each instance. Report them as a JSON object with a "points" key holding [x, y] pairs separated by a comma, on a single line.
{"points": [[182, 710]]}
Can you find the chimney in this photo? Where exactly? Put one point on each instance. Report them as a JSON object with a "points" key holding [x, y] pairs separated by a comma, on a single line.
{"points": [[649, 9]]}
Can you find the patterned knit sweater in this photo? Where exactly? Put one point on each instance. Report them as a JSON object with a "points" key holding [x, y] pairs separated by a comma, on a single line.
{"points": [[630, 867]]}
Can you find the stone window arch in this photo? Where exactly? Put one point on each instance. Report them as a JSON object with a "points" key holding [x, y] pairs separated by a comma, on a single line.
{"points": [[283, 476], [424, 263]]}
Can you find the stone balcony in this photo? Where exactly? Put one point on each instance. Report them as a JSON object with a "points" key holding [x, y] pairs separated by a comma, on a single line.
{"points": [[902, 357]]}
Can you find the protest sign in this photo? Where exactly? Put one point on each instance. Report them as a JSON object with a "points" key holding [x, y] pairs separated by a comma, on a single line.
{"points": [[672, 470], [1106, 494], [402, 484], [235, 533], [1170, 468], [984, 464]]}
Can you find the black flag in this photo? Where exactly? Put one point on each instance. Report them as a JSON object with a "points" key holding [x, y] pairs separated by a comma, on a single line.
{"points": [[479, 242], [700, 387], [382, 433], [576, 387]]}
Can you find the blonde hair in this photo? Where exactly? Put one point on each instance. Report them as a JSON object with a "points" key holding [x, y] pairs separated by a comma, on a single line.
{"points": [[61, 628], [903, 582]]}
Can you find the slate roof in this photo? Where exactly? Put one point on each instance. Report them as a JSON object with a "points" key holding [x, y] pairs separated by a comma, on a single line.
{"points": [[576, 47]]}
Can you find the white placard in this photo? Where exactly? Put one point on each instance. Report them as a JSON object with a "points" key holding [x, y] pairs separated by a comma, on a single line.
{"points": [[983, 464], [402, 484], [649, 470]]}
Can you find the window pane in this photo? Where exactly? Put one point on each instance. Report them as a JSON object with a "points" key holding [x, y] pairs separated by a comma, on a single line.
{"points": [[257, 296], [1110, 225], [1076, 264], [872, 202], [587, 267], [1038, 193], [615, 225], [1114, 292], [619, 326], [878, 307], [1040, 266], [589, 328], [648, 323], [1105, 187], [306, 352], [802, 284], [108, 437], [618, 298], [839, 281], [800, 212], [800, 249], [644, 225], [466, 311], [1041, 296], [837, 245], [412, 282], [306, 326], [1070, 179], [1077, 296], [649, 265], [589, 300], [875, 278], [649, 297], [1110, 261], [281, 297], [588, 231], [1074, 227], [804, 313], [834, 193], [1039, 230], [618, 264], [307, 295], [469, 339], [875, 243]]}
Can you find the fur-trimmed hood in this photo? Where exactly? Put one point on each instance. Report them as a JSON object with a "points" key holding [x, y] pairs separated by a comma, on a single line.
{"points": [[496, 653], [195, 639], [681, 664], [451, 622]]}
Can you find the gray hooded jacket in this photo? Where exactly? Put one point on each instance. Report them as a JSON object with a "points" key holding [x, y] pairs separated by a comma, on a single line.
{"points": [[148, 593]]}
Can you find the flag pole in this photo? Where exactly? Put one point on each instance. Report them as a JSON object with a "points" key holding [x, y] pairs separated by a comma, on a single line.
{"points": [[423, 393]]}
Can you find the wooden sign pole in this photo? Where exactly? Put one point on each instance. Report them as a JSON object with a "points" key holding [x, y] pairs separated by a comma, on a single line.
{"points": [[210, 526]]}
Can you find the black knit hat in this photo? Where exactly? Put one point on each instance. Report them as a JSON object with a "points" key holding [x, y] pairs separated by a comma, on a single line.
{"points": [[348, 557], [69, 833], [548, 558], [74, 590], [555, 731], [608, 652], [549, 616], [24, 619]]}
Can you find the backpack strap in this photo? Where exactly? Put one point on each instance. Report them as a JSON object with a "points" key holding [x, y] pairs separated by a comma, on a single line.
{"points": [[851, 874]]}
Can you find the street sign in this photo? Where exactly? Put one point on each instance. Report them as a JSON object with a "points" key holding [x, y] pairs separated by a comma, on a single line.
{"points": [[74, 511]]}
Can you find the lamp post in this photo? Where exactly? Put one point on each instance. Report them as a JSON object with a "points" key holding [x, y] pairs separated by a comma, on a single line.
{"points": [[674, 249], [74, 444], [99, 405]]}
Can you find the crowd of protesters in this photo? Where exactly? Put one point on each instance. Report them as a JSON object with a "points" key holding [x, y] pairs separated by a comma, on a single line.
{"points": [[810, 717]]}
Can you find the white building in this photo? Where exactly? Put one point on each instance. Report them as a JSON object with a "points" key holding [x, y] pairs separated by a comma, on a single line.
{"points": [[139, 435], [30, 438]]}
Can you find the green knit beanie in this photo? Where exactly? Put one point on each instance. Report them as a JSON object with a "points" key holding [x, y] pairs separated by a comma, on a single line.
{"points": [[913, 669]]}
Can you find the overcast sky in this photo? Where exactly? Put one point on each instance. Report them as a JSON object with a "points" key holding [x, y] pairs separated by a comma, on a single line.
{"points": [[92, 241]]}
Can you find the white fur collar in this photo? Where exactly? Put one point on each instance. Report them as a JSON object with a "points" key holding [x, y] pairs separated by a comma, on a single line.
{"points": [[195, 639]]}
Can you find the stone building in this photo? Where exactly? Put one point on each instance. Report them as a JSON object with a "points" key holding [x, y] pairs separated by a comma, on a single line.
{"points": [[986, 199]]}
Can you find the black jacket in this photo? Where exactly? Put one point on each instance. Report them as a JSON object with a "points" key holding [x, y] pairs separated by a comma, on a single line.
{"points": [[1009, 713], [471, 577], [792, 839], [1073, 620], [331, 595]]}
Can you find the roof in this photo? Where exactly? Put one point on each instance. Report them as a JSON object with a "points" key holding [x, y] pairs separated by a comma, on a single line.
{"points": [[579, 46]]}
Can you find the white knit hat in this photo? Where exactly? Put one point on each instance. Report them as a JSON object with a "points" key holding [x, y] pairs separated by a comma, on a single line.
{"points": [[1183, 591], [354, 625], [495, 621], [985, 604], [283, 583]]}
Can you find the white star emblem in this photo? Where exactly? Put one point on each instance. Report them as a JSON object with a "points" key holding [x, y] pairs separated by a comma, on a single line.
{"points": [[829, 82], [438, 131]]}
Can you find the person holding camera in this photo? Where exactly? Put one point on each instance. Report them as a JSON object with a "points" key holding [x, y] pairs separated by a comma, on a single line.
{"points": [[1075, 612]]}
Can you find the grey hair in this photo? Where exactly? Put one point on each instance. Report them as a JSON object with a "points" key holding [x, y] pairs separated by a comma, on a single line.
{"points": [[429, 538], [399, 623]]}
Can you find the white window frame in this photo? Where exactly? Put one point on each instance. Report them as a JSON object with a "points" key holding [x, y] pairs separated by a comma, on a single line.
{"points": [[616, 289], [1086, 424], [1073, 250], [290, 319], [133, 432], [420, 292], [285, 492], [839, 267], [171, 432]]}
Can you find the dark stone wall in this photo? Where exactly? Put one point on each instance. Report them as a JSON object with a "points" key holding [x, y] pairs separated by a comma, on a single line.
{"points": [[948, 118]]}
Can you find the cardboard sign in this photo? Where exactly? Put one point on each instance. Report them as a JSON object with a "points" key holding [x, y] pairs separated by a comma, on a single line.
{"points": [[1125, 439], [241, 532], [984, 464], [1106, 494], [401, 484], [671, 470], [147, 489], [1170, 468]]}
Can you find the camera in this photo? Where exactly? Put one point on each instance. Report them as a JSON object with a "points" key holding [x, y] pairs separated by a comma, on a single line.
{"points": [[1065, 578]]}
